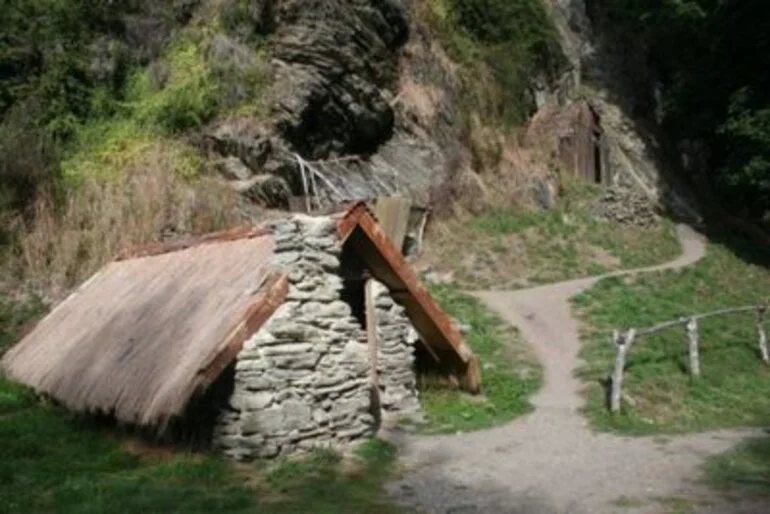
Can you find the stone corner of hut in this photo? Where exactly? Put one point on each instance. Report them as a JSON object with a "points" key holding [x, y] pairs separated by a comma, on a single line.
{"points": [[305, 378]]}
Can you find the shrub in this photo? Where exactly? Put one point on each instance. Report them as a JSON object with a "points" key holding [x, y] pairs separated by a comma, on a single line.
{"points": [[64, 243], [108, 149], [185, 96], [501, 44]]}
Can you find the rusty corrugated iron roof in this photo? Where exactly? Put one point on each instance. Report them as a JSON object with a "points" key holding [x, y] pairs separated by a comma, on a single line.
{"points": [[144, 334], [388, 265]]}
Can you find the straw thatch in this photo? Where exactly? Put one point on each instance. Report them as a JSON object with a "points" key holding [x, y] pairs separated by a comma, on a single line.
{"points": [[139, 338]]}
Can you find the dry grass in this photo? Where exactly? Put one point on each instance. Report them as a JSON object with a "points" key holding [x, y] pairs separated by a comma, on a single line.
{"points": [[507, 246], [64, 242]]}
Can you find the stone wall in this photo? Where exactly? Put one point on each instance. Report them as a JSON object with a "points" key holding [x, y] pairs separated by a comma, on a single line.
{"points": [[303, 380], [627, 206], [396, 339]]}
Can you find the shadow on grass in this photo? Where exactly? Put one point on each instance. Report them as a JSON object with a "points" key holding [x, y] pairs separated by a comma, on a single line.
{"points": [[53, 462], [743, 471]]}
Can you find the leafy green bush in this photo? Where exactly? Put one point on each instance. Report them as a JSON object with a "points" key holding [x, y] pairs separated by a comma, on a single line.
{"points": [[709, 60], [502, 44], [186, 95]]}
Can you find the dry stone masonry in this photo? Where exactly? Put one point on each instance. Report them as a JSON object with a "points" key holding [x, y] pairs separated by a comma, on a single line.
{"points": [[627, 206], [395, 356], [303, 379]]}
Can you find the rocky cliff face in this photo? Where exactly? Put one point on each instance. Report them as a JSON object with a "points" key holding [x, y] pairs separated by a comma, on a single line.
{"points": [[620, 90], [336, 71]]}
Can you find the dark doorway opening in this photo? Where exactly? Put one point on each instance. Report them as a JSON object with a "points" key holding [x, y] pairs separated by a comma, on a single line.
{"points": [[597, 139]]}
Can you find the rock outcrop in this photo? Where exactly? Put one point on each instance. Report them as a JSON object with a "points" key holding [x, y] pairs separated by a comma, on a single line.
{"points": [[601, 77], [335, 70]]}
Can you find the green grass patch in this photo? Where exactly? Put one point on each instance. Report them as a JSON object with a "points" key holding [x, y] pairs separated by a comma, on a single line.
{"points": [[510, 374], [734, 389], [627, 502], [107, 148], [180, 92], [511, 249], [676, 505], [51, 461], [744, 469]]}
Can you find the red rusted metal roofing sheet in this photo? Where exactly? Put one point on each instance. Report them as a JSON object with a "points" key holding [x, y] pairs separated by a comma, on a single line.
{"points": [[386, 263]]}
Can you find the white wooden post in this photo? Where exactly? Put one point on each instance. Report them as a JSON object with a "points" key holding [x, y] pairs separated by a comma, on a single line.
{"points": [[692, 341], [371, 331], [622, 341], [762, 334]]}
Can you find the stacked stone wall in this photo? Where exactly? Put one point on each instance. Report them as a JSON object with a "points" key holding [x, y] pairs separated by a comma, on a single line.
{"points": [[303, 380]]}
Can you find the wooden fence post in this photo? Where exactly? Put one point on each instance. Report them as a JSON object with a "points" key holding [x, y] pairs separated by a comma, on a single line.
{"points": [[692, 341], [762, 334], [622, 341]]}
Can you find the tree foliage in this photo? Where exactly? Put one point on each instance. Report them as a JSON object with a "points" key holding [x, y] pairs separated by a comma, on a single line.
{"points": [[712, 58]]}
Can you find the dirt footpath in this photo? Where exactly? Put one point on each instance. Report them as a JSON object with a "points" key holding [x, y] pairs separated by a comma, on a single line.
{"points": [[550, 462]]}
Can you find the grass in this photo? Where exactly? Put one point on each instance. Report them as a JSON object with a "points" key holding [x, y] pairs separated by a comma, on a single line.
{"points": [[510, 374], [744, 469], [677, 505], [53, 462], [64, 244], [109, 149], [50, 462], [510, 249], [627, 502], [13, 318], [734, 389]]}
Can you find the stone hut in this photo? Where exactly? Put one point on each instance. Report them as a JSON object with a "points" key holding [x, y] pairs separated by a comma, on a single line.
{"points": [[574, 137], [272, 339]]}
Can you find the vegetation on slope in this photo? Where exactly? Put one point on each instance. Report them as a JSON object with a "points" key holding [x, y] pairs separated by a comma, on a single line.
{"points": [[509, 248], [734, 388], [500, 44], [509, 370], [94, 153], [709, 60]]}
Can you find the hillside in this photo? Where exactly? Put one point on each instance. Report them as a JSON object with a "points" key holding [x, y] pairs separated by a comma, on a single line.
{"points": [[149, 105], [549, 141]]}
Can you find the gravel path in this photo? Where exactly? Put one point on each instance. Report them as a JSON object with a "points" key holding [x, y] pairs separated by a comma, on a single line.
{"points": [[550, 462]]}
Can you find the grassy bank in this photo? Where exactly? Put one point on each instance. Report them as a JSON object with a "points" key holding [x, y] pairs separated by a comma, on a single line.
{"points": [[734, 389], [510, 249], [510, 373], [53, 462]]}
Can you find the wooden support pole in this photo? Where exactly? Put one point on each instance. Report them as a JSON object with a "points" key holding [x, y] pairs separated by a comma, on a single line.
{"points": [[692, 342], [762, 334], [371, 331], [622, 342]]}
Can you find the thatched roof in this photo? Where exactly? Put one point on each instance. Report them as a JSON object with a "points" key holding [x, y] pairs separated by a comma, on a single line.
{"points": [[142, 335]]}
